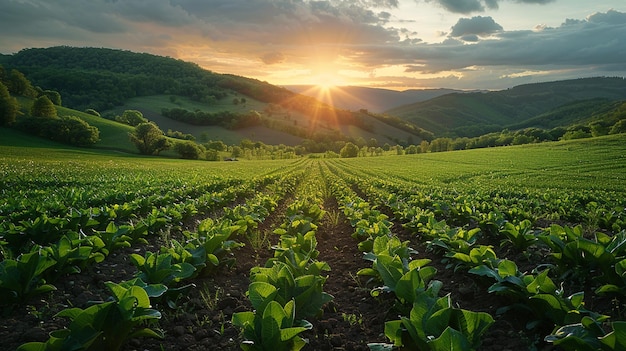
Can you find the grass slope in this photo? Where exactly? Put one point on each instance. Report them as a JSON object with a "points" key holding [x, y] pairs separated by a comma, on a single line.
{"points": [[151, 107], [113, 135], [373, 99], [577, 165]]}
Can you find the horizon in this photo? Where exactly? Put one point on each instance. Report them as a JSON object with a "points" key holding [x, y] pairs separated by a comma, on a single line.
{"points": [[386, 44]]}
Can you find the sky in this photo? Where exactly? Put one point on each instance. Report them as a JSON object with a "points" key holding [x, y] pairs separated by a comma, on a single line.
{"points": [[394, 44]]}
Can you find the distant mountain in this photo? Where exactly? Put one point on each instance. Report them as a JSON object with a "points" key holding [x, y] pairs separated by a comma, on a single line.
{"points": [[473, 114], [372, 99]]}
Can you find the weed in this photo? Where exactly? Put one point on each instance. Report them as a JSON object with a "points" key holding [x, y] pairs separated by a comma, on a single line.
{"points": [[258, 239], [333, 217], [210, 299], [353, 319]]}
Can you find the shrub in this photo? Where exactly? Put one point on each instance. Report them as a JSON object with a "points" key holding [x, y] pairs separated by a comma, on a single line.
{"points": [[92, 112], [189, 150], [68, 129]]}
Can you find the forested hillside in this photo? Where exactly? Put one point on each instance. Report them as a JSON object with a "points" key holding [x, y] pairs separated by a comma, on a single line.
{"points": [[473, 114], [102, 78], [105, 79]]}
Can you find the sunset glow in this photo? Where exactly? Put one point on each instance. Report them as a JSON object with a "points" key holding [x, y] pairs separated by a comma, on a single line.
{"points": [[461, 44]]}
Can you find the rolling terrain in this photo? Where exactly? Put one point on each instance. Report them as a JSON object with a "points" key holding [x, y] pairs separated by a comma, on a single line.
{"points": [[111, 81], [473, 114], [373, 99]]}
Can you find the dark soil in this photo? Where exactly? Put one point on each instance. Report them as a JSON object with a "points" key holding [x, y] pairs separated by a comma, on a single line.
{"points": [[202, 319]]}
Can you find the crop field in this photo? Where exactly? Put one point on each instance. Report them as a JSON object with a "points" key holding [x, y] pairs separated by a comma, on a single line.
{"points": [[509, 248]]}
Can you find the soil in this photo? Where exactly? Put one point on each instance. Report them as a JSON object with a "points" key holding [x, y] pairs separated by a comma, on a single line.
{"points": [[202, 320]]}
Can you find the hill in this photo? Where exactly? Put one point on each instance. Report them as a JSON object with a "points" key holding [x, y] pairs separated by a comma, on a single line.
{"points": [[218, 105], [473, 114], [579, 112], [373, 99]]}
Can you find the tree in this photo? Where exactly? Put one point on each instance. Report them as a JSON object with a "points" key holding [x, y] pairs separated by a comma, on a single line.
{"points": [[131, 117], [149, 139], [19, 85], [8, 106], [236, 152], [216, 145], [211, 155], [618, 127], [411, 150], [75, 131], [54, 96], [349, 150], [43, 107], [189, 150]]}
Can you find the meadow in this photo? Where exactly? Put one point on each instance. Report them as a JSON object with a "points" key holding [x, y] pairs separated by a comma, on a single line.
{"points": [[519, 247]]}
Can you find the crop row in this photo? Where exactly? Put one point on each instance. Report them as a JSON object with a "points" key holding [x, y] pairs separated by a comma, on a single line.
{"points": [[288, 289], [427, 321], [162, 278], [599, 260]]}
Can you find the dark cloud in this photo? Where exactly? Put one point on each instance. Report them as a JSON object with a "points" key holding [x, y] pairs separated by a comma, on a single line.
{"points": [[460, 6], [595, 46], [476, 26], [470, 6]]}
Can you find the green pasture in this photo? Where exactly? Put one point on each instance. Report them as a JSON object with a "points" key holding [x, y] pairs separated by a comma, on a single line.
{"points": [[597, 163]]}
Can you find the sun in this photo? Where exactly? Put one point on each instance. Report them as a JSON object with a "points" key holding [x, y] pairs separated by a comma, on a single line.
{"points": [[326, 82], [325, 86]]}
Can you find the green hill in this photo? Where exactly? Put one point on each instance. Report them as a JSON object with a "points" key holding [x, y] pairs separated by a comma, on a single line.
{"points": [[473, 114], [232, 107], [577, 112]]}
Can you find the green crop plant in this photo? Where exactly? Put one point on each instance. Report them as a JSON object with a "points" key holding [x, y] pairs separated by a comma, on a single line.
{"points": [[520, 236], [399, 274], [213, 239], [105, 326], [272, 327], [589, 335], [299, 253], [618, 284], [157, 268], [477, 256], [113, 238], [535, 293], [492, 222], [71, 255], [445, 238], [305, 290], [434, 324], [189, 253], [581, 258], [22, 278]]}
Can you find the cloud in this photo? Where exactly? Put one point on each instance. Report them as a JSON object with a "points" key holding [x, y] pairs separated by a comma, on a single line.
{"points": [[470, 6], [235, 36], [460, 6], [476, 26], [591, 47]]}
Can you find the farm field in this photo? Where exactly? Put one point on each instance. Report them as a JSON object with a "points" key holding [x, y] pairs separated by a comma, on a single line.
{"points": [[504, 248]]}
